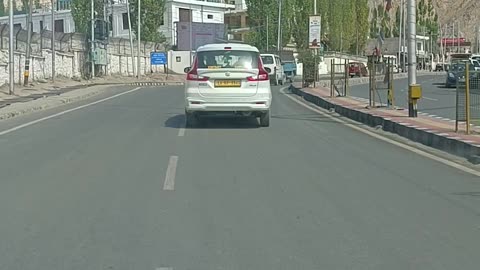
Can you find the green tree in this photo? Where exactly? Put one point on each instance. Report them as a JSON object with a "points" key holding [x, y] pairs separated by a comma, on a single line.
{"points": [[81, 13], [361, 24], [265, 25], [151, 19], [2, 8]]}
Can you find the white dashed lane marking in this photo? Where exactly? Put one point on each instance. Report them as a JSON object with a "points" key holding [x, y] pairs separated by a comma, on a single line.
{"points": [[169, 183]]}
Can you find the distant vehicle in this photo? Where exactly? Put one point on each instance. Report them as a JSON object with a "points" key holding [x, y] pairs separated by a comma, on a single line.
{"points": [[456, 73], [290, 70], [227, 79], [440, 67], [273, 62], [357, 69], [475, 57]]}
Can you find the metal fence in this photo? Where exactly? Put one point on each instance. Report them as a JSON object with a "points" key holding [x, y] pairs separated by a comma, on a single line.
{"points": [[381, 82], [339, 78], [468, 99], [70, 42]]}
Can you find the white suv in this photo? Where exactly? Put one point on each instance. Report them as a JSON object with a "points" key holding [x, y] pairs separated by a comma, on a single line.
{"points": [[273, 62], [227, 79]]}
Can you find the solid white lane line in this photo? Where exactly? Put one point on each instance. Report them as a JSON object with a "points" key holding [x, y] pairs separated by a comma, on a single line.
{"points": [[432, 99], [169, 183], [385, 139], [65, 112]]}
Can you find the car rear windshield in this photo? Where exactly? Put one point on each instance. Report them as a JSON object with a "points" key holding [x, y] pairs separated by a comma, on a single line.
{"points": [[228, 59], [267, 60]]}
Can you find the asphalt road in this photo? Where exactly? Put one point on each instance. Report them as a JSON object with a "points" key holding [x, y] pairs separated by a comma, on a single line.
{"points": [[120, 185], [437, 100]]}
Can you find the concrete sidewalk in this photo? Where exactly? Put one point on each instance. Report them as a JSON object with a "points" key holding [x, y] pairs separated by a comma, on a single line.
{"points": [[436, 133], [42, 95]]}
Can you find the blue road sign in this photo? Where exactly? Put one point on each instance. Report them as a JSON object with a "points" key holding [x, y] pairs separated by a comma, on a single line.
{"points": [[158, 58]]}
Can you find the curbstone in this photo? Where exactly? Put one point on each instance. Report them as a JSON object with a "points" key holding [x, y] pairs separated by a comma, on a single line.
{"points": [[452, 145]]}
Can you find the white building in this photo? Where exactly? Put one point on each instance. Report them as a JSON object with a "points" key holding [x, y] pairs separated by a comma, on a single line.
{"points": [[202, 11], [42, 20]]}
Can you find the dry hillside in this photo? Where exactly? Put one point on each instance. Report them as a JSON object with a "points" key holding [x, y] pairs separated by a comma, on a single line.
{"points": [[465, 12]]}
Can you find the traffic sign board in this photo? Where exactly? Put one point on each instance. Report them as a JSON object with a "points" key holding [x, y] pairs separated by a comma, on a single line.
{"points": [[158, 58]]}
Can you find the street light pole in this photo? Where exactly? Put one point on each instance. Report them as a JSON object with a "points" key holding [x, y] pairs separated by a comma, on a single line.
{"points": [[412, 61], [279, 25], [130, 37], [400, 48], [138, 40], [92, 45], [29, 39], [10, 50], [53, 40], [315, 68]]}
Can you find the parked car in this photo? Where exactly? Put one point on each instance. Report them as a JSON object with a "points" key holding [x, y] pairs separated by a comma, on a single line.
{"points": [[357, 69], [273, 62], [227, 79]]}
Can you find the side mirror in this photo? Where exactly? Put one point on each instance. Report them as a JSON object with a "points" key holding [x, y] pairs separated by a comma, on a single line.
{"points": [[268, 70], [186, 70]]}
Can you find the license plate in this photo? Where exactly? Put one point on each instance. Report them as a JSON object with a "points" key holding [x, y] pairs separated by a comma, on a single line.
{"points": [[227, 83]]}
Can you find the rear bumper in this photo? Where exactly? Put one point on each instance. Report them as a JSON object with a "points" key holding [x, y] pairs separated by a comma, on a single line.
{"points": [[198, 106]]}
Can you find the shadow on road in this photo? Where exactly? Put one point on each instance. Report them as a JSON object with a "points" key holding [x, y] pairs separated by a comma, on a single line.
{"points": [[176, 121], [211, 122]]}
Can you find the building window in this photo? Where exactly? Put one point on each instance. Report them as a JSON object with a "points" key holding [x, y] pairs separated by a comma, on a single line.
{"points": [[179, 59], [210, 16], [17, 25], [184, 15], [59, 26], [41, 26], [125, 21]]}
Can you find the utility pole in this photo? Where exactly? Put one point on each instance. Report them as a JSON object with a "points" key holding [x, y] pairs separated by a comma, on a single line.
{"points": [[105, 17], [138, 40], [279, 25], [130, 37], [267, 32], [404, 37], [28, 49], [315, 69], [92, 45], [53, 40], [10, 50], [413, 88], [190, 25], [400, 48]]}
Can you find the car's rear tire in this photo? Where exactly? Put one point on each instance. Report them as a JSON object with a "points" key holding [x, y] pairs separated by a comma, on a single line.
{"points": [[191, 119], [265, 119]]}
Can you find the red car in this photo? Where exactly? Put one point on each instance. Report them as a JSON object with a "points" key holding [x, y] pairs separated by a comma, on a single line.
{"points": [[357, 69]]}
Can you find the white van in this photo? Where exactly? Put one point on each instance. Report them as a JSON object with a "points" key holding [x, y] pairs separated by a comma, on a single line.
{"points": [[273, 62]]}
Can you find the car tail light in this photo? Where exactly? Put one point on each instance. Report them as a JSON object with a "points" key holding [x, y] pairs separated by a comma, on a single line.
{"points": [[192, 75], [262, 73]]}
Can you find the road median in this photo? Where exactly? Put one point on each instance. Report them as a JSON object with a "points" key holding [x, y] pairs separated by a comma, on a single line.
{"points": [[436, 133]]}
